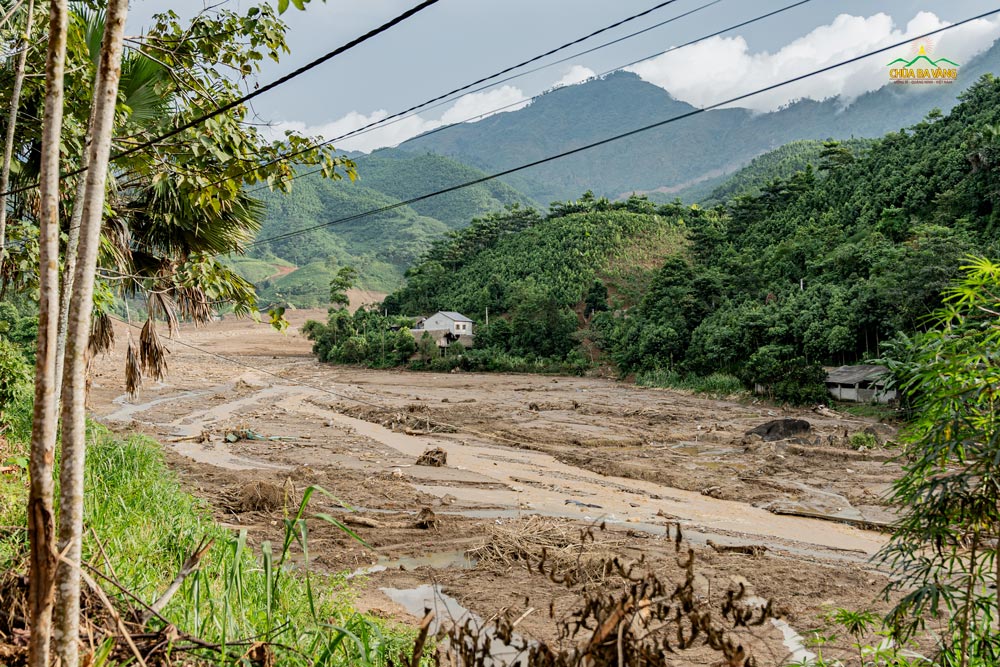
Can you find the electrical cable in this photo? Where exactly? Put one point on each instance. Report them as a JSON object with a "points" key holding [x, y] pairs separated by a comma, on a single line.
{"points": [[256, 93], [623, 135], [440, 100], [368, 128]]}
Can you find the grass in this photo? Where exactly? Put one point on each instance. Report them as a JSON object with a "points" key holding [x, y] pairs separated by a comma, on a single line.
{"points": [[147, 526], [716, 385], [878, 411]]}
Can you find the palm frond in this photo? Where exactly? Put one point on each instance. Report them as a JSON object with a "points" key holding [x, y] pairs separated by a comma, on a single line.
{"points": [[102, 335], [152, 353]]}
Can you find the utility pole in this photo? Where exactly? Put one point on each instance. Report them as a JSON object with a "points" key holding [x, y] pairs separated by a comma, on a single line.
{"points": [[487, 317]]}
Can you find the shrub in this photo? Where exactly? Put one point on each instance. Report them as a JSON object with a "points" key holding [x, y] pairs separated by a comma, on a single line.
{"points": [[14, 378]]}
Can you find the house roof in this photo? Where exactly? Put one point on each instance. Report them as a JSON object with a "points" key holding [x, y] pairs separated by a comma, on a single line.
{"points": [[852, 375], [452, 315]]}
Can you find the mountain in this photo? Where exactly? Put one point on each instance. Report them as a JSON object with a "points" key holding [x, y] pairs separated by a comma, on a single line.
{"points": [[297, 269], [821, 255], [669, 158]]}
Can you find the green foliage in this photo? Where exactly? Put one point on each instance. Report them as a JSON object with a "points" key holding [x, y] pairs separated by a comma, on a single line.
{"points": [[870, 644], [717, 385], [781, 164], [596, 299], [819, 268], [147, 526], [14, 378], [944, 551], [785, 377], [862, 440], [381, 246], [340, 284], [19, 325], [367, 337]]}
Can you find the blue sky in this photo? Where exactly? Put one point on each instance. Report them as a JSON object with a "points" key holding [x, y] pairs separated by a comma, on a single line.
{"points": [[457, 41]]}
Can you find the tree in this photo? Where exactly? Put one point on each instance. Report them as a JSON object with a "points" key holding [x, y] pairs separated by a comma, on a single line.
{"points": [[944, 549], [74, 427], [22, 45], [41, 524], [341, 284], [596, 299]]}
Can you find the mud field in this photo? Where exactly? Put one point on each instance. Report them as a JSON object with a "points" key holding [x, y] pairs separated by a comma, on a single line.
{"points": [[249, 420]]}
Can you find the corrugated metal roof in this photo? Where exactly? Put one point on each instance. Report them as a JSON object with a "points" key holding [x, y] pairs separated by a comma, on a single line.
{"points": [[452, 315], [852, 375]]}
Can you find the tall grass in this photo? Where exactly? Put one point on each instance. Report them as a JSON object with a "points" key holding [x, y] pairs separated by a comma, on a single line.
{"points": [[716, 385], [143, 526]]}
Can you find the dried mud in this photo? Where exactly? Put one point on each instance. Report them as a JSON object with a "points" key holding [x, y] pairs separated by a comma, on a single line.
{"points": [[579, 450]]}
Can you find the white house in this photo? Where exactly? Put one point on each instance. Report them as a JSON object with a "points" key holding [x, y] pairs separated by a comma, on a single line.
{"points": [[860, 384], [447, 320]]}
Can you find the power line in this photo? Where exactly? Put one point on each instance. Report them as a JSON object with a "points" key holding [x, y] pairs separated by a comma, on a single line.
{"points": [[447, 97], [256, 93], [368, 128], [623, 135]]}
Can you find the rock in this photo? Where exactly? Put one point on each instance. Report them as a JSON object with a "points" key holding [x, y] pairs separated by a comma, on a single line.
{"points": [[780, 429], [434, 457]]}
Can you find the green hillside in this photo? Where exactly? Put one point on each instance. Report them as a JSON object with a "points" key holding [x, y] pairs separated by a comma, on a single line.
{"points": [[826, 265], [796, 270], [780, 163], [380, 246], [668, 158]]}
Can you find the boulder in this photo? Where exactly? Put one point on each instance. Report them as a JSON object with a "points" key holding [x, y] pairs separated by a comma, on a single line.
{"points": [[781, 429]]}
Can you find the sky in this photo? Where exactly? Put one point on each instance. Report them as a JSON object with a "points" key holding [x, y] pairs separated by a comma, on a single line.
{"points": [[458, 41]]}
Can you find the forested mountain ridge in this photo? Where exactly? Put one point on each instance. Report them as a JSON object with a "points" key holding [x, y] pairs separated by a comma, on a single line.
{"points": [[820, 267], [674, 154], [380, 246]]}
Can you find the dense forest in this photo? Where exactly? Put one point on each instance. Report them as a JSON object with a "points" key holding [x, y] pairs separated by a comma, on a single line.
{"points": [[822, 266]]}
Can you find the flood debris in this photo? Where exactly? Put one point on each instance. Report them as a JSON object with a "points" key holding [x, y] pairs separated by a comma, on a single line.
{"points": [[427, 519], [259, 496], [781, 429], [362, 521], [745, 549], [434, 457], [580, 503], [564, 545]]}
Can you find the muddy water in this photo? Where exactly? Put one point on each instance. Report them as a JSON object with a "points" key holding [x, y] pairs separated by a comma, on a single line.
{"points": [[187, 429], [447, 611], [439, 561]]}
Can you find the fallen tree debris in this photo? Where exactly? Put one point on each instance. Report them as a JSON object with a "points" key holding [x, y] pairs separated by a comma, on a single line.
{"points": [[435, 457], [746, 549]]}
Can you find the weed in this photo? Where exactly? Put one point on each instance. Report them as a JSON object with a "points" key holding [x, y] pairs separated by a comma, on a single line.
{"points": [[863, 440], [142, 529]]}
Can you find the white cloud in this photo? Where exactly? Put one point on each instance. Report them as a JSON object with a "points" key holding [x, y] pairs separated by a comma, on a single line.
{"points": [[723, 67], [471, 107], [575, 74], [476, 106]]}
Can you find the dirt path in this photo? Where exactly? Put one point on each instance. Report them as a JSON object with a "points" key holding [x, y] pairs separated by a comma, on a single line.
{"points": [[586, 450]]}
